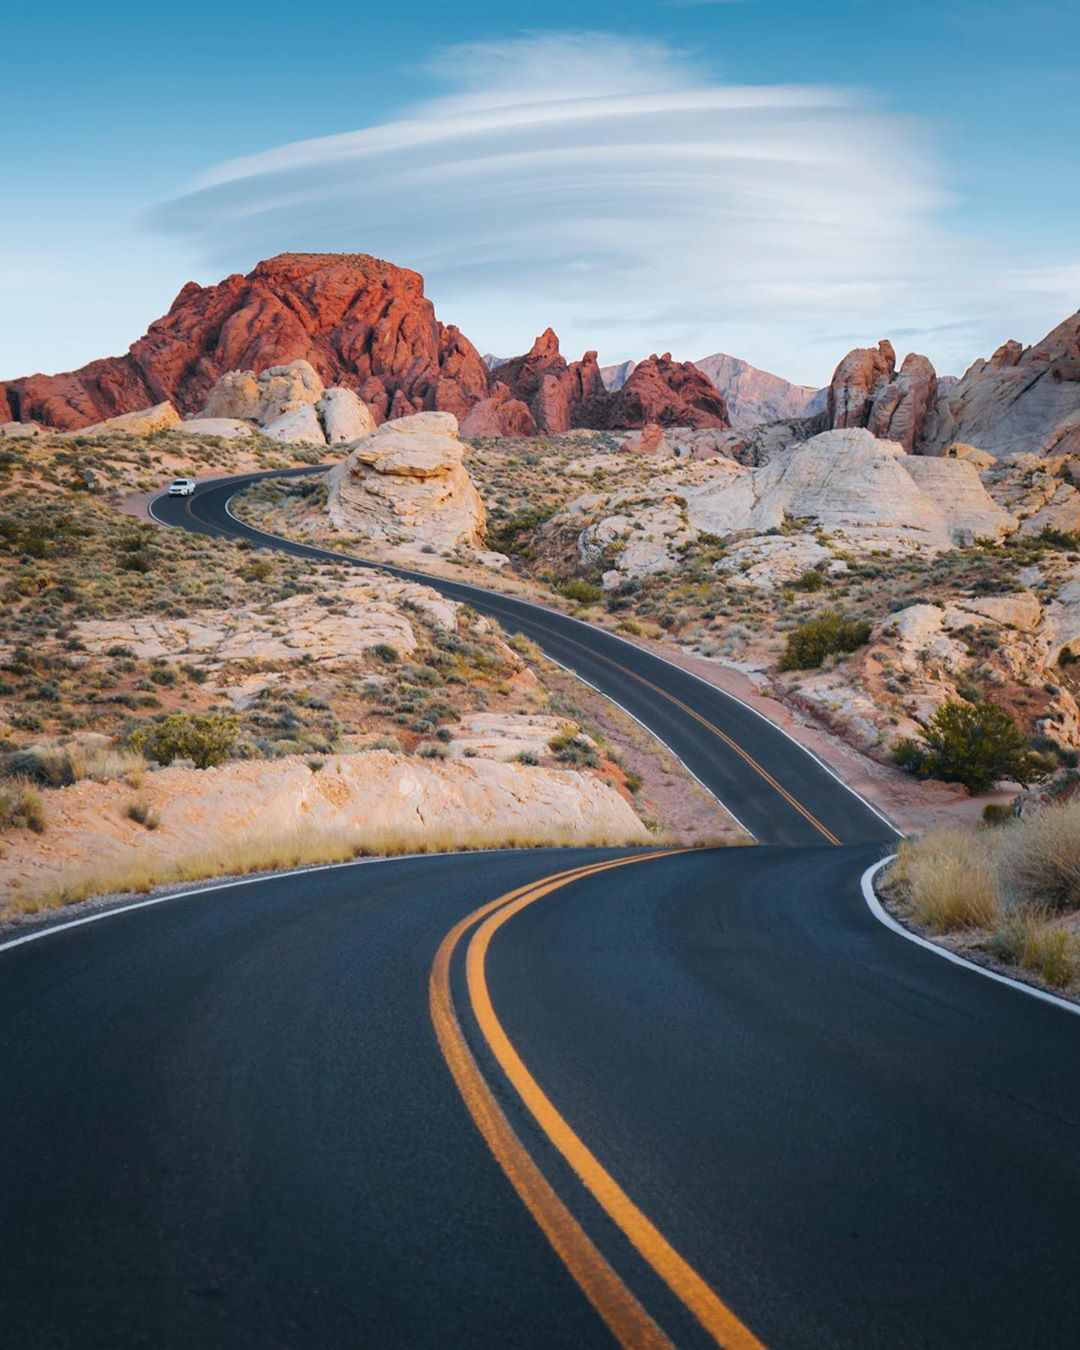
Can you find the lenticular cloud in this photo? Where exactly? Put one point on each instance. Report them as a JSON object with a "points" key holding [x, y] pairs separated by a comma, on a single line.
{"points": [[607, 186]]}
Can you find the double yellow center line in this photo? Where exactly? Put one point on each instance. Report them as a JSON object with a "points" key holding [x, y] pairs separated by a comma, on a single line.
{"points": [[731, 744], [624, 1315]]}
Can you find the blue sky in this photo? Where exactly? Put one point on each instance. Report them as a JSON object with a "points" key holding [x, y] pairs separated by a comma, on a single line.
{"points": [[777, 180]]}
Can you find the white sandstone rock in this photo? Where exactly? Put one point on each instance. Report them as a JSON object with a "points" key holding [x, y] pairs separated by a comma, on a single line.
{"points": [[406, 483], [344, 415], [296, 426]]}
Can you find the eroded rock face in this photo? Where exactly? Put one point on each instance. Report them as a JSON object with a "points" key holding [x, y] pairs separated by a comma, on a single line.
{"points": [[499, 415], [649, 440], [901, 408], [406, 483], [857, 381], [552, 388], [662, 391], [1022, 400], [359, 322]]}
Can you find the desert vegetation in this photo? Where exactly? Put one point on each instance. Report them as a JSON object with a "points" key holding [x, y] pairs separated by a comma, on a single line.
{"points": [[1008, 893]]}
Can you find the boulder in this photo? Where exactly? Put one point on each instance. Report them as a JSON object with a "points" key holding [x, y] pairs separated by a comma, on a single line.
{"points": [[971, 454], [920, 642], [145, 422], [296, 426], [263, 398], [344, 416], [20, 431], [648, 441], [406, 484]]}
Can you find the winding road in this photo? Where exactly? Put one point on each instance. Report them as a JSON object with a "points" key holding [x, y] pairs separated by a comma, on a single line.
{"points": [[566, 1098]]}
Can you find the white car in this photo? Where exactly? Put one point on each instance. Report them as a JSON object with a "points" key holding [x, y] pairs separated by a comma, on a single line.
{"points": [[182, 487]]}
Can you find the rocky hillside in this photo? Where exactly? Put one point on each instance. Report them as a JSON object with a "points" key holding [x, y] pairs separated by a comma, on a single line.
{"points": [[364, 326], [755, 396], [1022, 400]]}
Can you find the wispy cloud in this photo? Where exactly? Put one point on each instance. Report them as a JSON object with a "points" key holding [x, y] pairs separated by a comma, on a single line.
{"points": [[613, 188]]}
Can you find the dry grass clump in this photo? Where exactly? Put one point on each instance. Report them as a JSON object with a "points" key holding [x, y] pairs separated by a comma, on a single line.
{"points": [[302, 847], [1031, 943], [1016, 883], [60, 766], [949, 878], [21, 807], [1040, 862]]}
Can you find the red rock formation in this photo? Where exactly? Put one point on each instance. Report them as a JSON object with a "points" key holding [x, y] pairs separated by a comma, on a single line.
{"points": [[499, 415], [551, 387], [857, 381], [669, 393], [649, 441], [6, 414], [362, 323], [901, 408]]}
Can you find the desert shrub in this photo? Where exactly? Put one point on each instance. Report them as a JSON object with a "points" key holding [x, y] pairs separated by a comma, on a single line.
{"points": [[570, 748], [21, 807], [949, 878], [528, 757], [977, 744], [813, 580], [60, 766], [204, 738], [829, 633], [1040, 864], [1033, 944], [382, 651], [139, 810], [508, 536], [584, 592], [998, 813]]}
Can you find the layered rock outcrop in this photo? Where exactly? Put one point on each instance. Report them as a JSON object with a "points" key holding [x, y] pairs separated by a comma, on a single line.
{"points": [[863, 494], [407, 484], [1023, 400], [361, 323], [287, 403]]}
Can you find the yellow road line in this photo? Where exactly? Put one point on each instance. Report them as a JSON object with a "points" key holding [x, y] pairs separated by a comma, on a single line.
{"points": [[624, 1316], [713, 1314], [704, 721]]}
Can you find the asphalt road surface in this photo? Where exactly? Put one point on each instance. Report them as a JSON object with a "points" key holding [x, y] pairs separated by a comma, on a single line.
{"points": [[685, 1098]]}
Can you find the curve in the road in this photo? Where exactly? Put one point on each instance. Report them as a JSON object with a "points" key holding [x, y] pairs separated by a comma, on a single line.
{"points": [[775, 788], [727, 1096]]}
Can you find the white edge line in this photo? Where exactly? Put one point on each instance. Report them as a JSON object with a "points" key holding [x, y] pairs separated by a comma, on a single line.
{"points": [[546, 609], [882, 914], [48, 929]]}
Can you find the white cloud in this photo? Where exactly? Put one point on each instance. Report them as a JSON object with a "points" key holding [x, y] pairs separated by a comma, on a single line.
{"points": [[611, 187]]}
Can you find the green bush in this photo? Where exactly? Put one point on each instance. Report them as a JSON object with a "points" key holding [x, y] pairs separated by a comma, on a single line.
{"points": [[976, 744], [584, 592], [830, 633], [810, 581], [998, 813], [204, 738]]}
